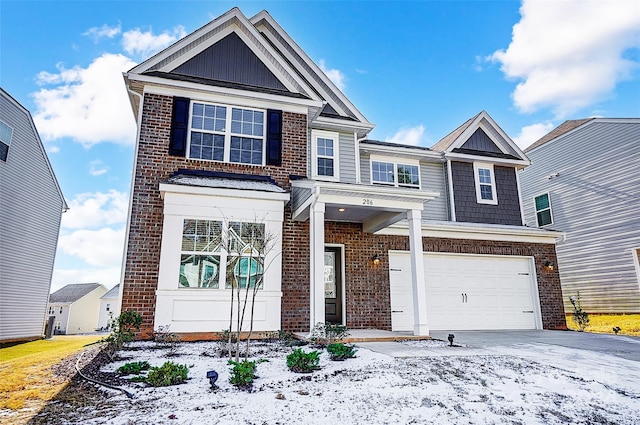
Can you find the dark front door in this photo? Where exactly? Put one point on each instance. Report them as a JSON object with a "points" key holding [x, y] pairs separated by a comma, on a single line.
{"points": [[333, 285]]}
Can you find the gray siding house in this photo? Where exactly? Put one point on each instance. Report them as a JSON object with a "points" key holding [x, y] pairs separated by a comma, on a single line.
{"points": [[584, 180], [31, 206]]}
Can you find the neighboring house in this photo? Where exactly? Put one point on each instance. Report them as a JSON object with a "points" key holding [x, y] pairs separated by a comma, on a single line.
{"points": [[584, 180], [238, 127], [76, 308], [31, 207], [109, 308]]}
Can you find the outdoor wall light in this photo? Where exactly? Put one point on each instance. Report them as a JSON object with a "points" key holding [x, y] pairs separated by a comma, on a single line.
{"points": [[376, 260], [548, 265], [341, 209]]}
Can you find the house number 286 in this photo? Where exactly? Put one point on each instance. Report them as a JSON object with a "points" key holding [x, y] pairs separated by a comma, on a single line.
{"points": [[367, 201]]}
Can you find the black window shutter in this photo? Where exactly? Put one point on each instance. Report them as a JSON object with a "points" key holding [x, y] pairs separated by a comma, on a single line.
{"points": [[179, 123], [274, 137]]}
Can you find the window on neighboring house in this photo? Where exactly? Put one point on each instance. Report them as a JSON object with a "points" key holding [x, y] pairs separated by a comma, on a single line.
{"points": [[543, 210], [485, 184], [221, 133], [396, 174], [213, 258], [60, 309], [325, 155], [108, 307], [5, 140]]}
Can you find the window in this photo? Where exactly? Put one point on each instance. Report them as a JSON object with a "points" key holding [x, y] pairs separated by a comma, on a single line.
{"points": [[60, 309], [108, 307], [325, 155], [485, 184], [5, 140], [221, 133], [215, 258], [543, 210], [396, 174]]}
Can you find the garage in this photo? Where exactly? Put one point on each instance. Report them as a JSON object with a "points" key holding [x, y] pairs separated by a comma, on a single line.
{"points": [[467, 292]]}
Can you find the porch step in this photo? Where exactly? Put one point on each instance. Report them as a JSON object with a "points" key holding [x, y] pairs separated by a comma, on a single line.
{"points": [[371, 335]]}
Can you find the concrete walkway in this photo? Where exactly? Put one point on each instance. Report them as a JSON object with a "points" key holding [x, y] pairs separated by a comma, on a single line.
{"points": [[522, 343]]}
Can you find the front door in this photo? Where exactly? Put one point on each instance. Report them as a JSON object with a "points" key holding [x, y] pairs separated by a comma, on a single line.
{"points": [[333, 285]]}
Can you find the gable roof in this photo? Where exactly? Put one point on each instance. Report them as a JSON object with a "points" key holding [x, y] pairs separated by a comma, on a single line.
{"points": [[72, 292], [235, 53], [112, 293], [480, 137], [563, 128]]}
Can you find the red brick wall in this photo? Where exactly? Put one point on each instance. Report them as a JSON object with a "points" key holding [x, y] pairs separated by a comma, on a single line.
{"points": [[155, 165], [367, 287]]}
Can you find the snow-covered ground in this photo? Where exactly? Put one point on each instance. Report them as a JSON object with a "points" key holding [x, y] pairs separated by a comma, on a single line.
{"points": [[534, 384]]}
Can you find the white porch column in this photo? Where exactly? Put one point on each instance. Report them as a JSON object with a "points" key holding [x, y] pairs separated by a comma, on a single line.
{"points": [[316, 230], [420, 326]]}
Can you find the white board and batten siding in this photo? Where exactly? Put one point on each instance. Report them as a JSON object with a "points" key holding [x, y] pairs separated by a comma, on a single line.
{"points": [[467, 292], [592, 176], [31, 206]]}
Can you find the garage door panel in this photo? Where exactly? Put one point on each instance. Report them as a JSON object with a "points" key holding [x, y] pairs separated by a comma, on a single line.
{"points": [[471, 292]]}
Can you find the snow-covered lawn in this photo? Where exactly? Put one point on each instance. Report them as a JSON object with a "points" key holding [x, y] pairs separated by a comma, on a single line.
{"points": [[517, 385]]}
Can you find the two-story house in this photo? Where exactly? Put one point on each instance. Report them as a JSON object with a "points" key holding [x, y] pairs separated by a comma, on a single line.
{"points": [[75, 308], [239, 129], [584, 180]]}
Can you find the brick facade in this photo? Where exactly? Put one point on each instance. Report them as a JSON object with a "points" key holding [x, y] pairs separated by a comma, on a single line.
{"points": [[153, 166]]}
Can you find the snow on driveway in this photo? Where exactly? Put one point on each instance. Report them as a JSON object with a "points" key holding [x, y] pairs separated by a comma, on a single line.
{"points": [[532, 384]]}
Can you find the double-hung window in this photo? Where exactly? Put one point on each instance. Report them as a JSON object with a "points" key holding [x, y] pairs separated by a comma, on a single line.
{"points": [[485, 184], [5, 140], [403, 174], [325, 155], [227, 134], [543, 210]]}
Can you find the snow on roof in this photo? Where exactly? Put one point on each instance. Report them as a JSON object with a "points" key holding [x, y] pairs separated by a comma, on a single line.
{"points": [[225, 183], [112, 293]]}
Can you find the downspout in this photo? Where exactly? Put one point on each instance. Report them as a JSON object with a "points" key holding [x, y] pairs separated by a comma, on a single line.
{"points": [[520, 196], [452, 205]]}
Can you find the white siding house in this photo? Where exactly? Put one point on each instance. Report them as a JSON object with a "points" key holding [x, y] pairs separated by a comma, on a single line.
{"points": [[109, 308], [76, 308], [31, 206]]}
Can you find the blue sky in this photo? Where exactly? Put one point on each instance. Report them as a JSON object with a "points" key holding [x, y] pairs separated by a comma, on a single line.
{"points": [[415, 69]]}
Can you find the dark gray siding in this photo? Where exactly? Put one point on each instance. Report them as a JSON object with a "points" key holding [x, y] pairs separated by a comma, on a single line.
{"points": [[479, 141], [595, 200], [30, 212], [230, 60], [468, 209]]}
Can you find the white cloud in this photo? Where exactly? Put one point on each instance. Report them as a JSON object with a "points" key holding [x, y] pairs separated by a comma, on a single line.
{"points": [[532, 133], [570, 54], [109, 277], [89, 105], [105, 31], [335, 75], [97, 168], [408, 136], [136, 42], [101, 248], [92, 210]]}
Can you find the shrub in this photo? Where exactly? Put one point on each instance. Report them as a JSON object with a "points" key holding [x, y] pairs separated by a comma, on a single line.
{"points": [[243, 373], [339, 351], [302, 362], [133, 368], [168, 374], [580, 317], [167, 339], [323, 334], [124, 327]]}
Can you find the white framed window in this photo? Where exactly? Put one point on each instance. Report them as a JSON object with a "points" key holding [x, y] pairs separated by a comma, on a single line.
{"points": [[485, 183], [542, 205], [226, 133], [218, 255], [395, 173], [5, 140], [324, 158]]}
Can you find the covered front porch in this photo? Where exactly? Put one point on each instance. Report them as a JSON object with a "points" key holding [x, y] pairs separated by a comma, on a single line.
{"points": [[374, 208]]}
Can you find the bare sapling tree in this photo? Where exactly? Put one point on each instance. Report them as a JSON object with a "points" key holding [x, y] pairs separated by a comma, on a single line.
{"points": [[250, 250]]}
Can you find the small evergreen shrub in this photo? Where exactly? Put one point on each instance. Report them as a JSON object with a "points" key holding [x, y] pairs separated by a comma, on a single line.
{"points": [[580, 317], [133, 368], [242, 374], [339, 351], [302, 362], [168, 374]]}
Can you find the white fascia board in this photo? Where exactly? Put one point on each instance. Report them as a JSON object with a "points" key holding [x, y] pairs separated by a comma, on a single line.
{"points": [[450, 230], [227, 193], [265, 15], [408, 151], [321, 121], [161, 86], [499, 161]]}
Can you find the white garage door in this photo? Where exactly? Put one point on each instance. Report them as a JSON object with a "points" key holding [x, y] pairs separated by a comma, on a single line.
{"points": [[470, 292]]}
